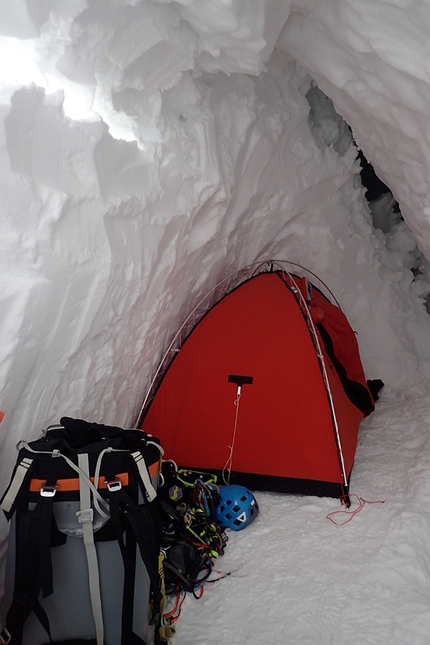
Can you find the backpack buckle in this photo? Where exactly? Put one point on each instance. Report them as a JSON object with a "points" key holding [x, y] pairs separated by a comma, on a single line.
{"points": [[5, 637], [48, 490], [113, 485], [85, 516]]}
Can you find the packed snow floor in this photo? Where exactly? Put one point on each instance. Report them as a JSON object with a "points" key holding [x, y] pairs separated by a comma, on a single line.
{"points": [[298, 578]]}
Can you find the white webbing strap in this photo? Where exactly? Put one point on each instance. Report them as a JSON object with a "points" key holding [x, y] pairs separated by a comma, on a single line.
{"points": [[85, 516], [96, 480], [57, 453], [15, 484], [150, 491]]}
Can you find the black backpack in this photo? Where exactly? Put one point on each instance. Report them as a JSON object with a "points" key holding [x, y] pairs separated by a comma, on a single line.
{"points": [[84, 547]]}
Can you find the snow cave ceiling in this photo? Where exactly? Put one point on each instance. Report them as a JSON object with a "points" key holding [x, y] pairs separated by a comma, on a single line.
{"points": [[150, 148]]}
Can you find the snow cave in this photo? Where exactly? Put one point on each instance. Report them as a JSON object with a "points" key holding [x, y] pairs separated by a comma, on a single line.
{"points": [[150, 149]]}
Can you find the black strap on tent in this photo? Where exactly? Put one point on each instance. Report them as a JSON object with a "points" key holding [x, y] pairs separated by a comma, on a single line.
{"points": [[357, 393]]}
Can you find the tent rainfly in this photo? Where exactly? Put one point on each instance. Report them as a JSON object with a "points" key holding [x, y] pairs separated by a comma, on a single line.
{"points": [[268, 390]]}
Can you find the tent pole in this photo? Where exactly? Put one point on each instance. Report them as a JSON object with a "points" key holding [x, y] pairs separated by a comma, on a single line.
{"points": [[311, 326]]}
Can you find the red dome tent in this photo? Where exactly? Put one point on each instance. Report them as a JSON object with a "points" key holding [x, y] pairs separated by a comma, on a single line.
{"points": [[268, 388]]}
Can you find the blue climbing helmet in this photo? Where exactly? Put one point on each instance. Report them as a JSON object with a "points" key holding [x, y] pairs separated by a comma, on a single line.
{"points": [[237, 507]]}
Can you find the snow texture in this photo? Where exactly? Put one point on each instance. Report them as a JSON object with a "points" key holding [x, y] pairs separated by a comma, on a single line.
{"points": [[150, 148]]}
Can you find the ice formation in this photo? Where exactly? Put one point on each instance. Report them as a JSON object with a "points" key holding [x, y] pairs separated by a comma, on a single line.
{"points": [[149, 148]]}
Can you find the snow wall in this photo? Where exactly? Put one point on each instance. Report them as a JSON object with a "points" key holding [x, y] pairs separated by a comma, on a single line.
{"points": [[148, 149]]}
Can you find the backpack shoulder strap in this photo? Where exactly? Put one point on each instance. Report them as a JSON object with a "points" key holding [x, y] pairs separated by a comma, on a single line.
{"points": [[149, 489], [33, 569], [143, 525], [20, 475], [85, 517]]}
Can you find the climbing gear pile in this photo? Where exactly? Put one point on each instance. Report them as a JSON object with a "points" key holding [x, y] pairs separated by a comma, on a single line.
{"points": [[191, 540]]}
